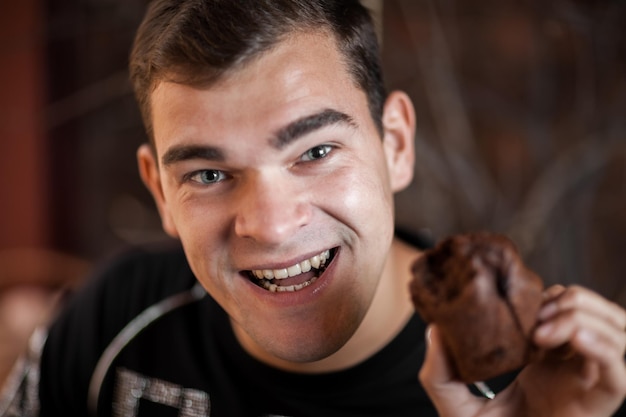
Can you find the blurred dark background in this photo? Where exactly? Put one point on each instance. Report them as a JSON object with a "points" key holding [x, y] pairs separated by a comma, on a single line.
{"points": [[520, 105]]}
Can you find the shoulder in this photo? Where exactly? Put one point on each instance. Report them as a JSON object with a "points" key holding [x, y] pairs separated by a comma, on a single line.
{"points": [[138, 277], [162, 266], [122, 287]]}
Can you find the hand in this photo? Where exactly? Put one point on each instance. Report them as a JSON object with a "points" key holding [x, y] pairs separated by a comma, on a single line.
{"points": [[581, 373]]}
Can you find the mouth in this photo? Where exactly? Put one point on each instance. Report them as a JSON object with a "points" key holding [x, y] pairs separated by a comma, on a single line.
{"points": [[295, 277]]}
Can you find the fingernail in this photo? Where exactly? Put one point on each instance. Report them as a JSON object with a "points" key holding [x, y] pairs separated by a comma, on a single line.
{"points": [[585, 336], [547, 311], [544, 330], [428, 331]]}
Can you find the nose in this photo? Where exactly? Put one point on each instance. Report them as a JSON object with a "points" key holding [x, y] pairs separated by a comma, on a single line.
{"points": [[271, 209]]}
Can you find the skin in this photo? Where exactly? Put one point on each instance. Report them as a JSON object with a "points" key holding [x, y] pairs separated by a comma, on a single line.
{"points": [[272, 202], [276, 202]]}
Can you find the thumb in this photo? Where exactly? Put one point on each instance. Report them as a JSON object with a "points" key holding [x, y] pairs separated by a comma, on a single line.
{"points": [[450, 396]]}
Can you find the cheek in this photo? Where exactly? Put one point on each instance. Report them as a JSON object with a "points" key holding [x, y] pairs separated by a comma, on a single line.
{"points": [[365, 197], [202, 229], [200, 217]]}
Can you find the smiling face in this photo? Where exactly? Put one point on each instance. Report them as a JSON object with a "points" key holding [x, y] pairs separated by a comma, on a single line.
{"points": [[280, 189]]}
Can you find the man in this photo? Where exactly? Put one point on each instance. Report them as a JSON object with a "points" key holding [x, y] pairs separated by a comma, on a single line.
{"points": [[274, 157]]}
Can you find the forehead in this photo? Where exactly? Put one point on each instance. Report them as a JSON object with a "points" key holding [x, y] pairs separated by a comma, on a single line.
{"points": [[302, 74]]}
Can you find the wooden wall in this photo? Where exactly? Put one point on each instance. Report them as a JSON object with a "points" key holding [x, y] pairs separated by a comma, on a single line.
{"points": [[24, 169]]}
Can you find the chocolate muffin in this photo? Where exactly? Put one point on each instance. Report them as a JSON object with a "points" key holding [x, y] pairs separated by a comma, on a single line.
{"points": [[484, 301]]}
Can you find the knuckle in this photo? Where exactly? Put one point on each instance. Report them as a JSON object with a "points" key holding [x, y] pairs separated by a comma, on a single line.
{"points": [[572, 298], [572, 317]]}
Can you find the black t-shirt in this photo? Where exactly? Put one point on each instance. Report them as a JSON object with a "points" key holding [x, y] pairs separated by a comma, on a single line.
{"points": [[180, 356]]}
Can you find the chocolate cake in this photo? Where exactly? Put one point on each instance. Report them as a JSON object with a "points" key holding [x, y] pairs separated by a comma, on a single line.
{"points": [[483, 299]]}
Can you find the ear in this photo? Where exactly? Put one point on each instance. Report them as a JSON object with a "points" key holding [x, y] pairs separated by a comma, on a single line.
{"points": [[151, 177], [398, 139]]}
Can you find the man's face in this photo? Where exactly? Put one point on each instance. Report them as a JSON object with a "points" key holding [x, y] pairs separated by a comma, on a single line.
{"points": [[278, 170]]}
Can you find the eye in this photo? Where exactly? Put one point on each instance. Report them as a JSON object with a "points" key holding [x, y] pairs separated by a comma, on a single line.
{"points": [[317, 152], [206, 176]]}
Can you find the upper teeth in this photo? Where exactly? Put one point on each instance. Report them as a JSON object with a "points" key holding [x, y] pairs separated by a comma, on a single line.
{"points": [[316, 262]]}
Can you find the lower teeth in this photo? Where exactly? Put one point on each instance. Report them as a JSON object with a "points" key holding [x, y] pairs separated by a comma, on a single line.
{"points": [[287, 288]]}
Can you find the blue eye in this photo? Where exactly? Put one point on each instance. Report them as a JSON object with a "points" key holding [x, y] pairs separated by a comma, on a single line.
{"points": [[206, 176], [317, 152]]}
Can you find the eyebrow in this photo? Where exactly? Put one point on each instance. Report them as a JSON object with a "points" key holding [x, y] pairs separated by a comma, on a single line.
{"points": [[280, 140], [186, 152], [308, 124]]}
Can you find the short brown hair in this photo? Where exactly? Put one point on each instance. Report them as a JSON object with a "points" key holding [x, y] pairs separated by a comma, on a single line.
{"points": [[195, 42]]}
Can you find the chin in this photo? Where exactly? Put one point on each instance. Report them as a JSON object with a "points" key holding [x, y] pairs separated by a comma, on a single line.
{"points": [[303, 357], [307, 353], [300, 349]]}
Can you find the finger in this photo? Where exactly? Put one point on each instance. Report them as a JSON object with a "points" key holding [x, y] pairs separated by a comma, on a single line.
{"points": [[595, 339], [571, 325], [577, 297], [552, 292], [593, 330], [450, 396], [611, 367]]}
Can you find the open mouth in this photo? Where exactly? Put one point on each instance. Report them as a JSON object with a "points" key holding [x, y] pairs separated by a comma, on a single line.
{"points": [[295, 277]]}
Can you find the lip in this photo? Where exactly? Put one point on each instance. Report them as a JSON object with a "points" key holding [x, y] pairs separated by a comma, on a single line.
{"points": [[286, 264], [303, 296]]}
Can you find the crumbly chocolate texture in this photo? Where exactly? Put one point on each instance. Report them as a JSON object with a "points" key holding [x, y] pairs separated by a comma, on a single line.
{"points": [[484, 301]]}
